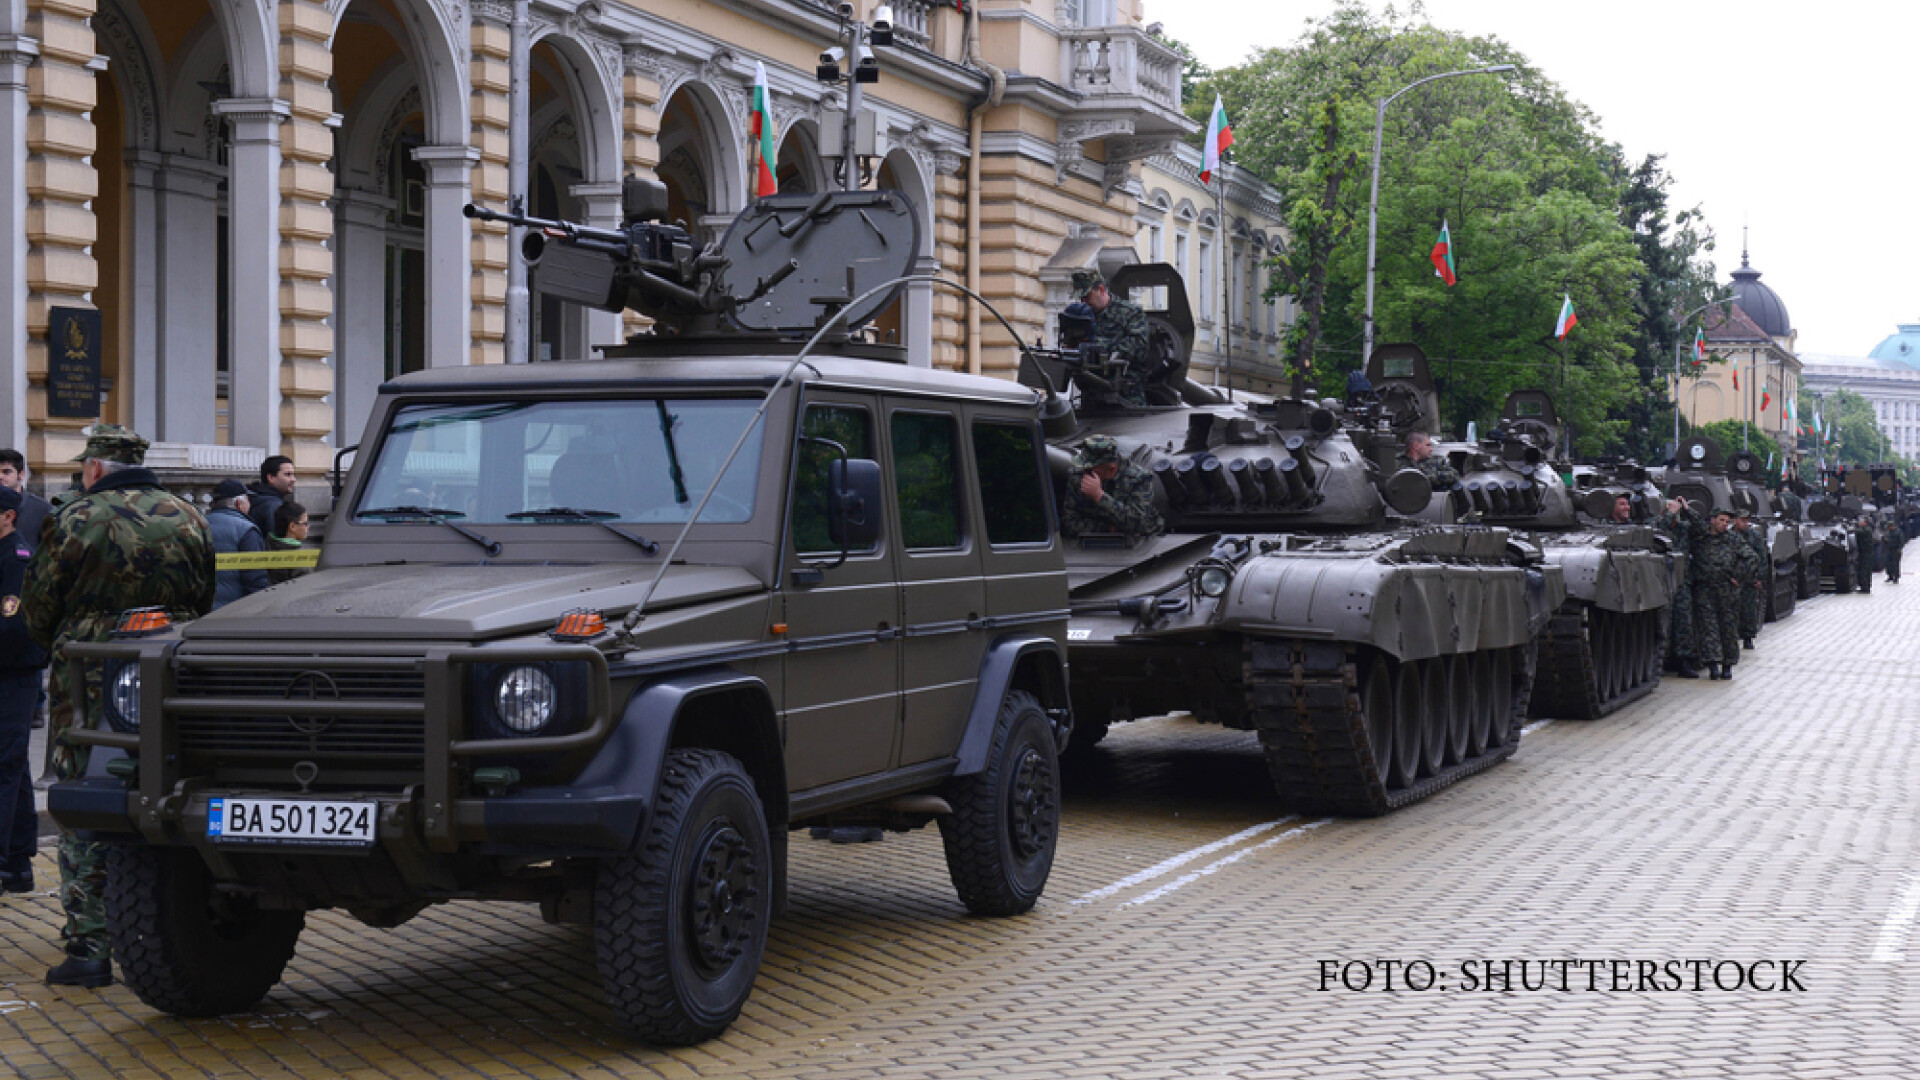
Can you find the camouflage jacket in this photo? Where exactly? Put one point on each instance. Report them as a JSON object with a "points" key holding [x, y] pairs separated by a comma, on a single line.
{"points": [[1893, 538], [1125, 506], [1721, 559], [1121, 327], [1435, 468], [1760, 557], [126, 543]]}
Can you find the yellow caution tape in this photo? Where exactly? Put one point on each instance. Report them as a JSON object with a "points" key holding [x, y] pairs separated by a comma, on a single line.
{"points": [[303, 559]]}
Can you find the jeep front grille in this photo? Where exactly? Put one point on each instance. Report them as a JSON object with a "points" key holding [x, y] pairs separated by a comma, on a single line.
{"points": [[360, 721]]}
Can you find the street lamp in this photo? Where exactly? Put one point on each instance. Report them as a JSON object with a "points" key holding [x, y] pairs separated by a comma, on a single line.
{"points": [[1677, 346], [1373, 203]]}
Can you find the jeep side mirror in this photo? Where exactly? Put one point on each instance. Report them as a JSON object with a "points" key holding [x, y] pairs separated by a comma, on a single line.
{"points": [[853, 520]]}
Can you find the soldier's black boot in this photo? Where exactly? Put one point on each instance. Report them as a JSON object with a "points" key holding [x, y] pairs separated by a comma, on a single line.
{"points": [[1713, 670], [82, 972], [1747, 642], [1686, 670]]}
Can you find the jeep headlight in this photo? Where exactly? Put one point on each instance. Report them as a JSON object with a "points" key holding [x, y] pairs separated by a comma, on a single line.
{"points": [[525, 699], [1213, 580], [123, 697]]}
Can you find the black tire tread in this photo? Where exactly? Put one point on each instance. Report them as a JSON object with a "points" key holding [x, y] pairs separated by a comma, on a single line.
{"points": [[974, 835]]}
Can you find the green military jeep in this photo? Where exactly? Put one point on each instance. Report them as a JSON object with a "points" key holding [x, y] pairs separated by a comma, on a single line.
{"points": [[558, 649]]}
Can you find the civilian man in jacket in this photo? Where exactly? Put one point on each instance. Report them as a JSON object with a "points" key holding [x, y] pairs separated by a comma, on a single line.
{"points": [[234, 532]]}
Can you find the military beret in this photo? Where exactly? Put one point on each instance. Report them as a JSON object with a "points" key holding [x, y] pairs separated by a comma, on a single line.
{"points": [[1097, 450], [229, 489], [1085, 281], [111, 442], [10, 499]]}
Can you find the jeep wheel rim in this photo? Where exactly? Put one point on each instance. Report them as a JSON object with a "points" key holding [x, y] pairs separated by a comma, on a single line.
{"points": [[721, 895], [1031, 804]]}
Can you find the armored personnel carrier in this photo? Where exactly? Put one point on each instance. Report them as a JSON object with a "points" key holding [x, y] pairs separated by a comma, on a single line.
{"points": [[596, 635], [1294, 592], [1605, 644], [1698, 476], [1826, 540]]}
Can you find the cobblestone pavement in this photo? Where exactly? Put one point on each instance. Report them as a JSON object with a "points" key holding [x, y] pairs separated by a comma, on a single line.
{"points": [[1182, 933]]}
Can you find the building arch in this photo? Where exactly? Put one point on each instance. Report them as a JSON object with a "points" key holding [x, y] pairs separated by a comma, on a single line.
{"points": [[702, 158], [910, 318], [799, 166], [432, 39], [593, 100], [134, 63], [252, 42]]}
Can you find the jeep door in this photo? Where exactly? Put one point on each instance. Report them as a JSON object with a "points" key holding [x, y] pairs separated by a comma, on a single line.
{"points": [[942, 596], [1023, 569], [841, 691]]}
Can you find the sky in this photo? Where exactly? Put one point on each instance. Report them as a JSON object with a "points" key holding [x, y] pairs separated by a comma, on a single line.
{"points": [[1801, 120]]}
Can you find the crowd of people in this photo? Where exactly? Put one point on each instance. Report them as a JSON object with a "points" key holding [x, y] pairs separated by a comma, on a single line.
{"points": [[68, 569]]}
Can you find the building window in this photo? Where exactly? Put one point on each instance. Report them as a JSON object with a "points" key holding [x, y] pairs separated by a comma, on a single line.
{"points": [[1156, 244], [1206, 282], [1180, 254]]}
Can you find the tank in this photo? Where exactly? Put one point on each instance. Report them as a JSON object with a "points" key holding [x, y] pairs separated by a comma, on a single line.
{"points": [[1296, 592], [1606, 643], [1699, 475]]}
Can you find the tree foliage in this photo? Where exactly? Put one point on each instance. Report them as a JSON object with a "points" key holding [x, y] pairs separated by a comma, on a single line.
{"points": [[1537, 206]]}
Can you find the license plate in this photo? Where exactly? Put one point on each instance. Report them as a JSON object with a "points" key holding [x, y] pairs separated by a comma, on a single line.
{"points": [[301, 822]]}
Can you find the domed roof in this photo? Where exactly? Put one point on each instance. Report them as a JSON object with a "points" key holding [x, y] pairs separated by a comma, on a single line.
{"points": [[1902, 348], [1760, 302]]}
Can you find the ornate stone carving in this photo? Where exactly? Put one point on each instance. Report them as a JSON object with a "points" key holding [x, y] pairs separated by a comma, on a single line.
{"points": [[719, 68], [560, 133], [1127, 149], [128, 58], [404, 106], [1082, 130], [493, 12], [1117, 176]]}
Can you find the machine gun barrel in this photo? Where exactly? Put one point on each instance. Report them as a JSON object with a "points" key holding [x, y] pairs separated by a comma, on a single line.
{"points": [[611, 241]]}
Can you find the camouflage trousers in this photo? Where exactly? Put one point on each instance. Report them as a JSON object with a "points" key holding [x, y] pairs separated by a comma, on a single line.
{"points": [[1681, 643], [1892, 564], [83, 865], [1753, 608], [1863, 573], [1716, 623]]}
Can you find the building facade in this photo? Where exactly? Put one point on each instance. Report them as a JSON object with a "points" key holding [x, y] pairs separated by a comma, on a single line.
{"points": [[1752, 368], [255, 205], [1888, 377]]}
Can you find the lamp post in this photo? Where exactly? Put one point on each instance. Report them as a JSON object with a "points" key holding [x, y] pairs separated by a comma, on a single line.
{"points": [[1373, 203], [1677, 347]]}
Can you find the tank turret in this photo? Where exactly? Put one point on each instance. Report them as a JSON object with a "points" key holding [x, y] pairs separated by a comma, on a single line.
{"points": [[1297, 589]]}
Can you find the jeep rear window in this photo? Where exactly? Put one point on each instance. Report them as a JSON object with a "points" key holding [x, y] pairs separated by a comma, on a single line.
{"points": [[926, 484], [850, 428], [486, 462], [1012, 499]]}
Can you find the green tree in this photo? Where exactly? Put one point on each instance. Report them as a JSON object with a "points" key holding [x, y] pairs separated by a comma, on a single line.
{"points": [[1731, 435], [1195, 76]]}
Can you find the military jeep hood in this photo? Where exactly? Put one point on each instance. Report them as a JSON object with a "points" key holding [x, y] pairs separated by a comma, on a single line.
{"points": [[457, 602]]}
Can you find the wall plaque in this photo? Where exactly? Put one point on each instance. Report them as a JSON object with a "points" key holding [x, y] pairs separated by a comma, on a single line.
{"points": [[73, 363]]}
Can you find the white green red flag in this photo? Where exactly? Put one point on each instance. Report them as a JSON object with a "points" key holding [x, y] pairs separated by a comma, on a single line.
{"points": [[1699, 345], [1568, 320], [1219, 137], [1443, 256], [1736, 378], [1766, 399], [762, 131]]}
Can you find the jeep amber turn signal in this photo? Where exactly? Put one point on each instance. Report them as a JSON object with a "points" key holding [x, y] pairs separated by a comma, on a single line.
{"points": [[141, 621], [579, 625]]}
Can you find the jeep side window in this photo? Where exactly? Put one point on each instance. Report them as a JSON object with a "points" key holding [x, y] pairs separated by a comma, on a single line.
{"points": [[1012, 492], [926, 482], [848, 426]]}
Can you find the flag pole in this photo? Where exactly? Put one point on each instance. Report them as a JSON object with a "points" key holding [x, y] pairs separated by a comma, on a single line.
{"points": [[1226, 279]]}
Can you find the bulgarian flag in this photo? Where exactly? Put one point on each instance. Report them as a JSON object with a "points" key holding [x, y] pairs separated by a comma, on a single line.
{"points": [[1736, 378], [1443, 256], [1699, 345], [1568, 320], [762, 130], [1766, 398], [1219, 137]]}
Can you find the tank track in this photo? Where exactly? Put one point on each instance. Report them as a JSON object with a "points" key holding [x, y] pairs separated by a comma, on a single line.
{"points": [[1578, 681], [1304, 700]]}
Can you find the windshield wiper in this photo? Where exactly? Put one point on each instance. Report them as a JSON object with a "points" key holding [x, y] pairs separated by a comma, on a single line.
{"points": [[594, 516], [673, 453], [421, 513]]}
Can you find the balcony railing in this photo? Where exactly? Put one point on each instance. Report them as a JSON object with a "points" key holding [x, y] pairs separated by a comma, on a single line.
{"points": [[909, 20], [1121, 62]]}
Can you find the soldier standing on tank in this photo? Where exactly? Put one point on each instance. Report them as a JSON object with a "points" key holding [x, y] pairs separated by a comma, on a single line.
{"points": [[1721, 560], [1419, 455], [1119, 327], [1108, 495], [125, 543], [1623, 510], [1863, 542], [1758, 564], [1682, 526], [1893, 538]]}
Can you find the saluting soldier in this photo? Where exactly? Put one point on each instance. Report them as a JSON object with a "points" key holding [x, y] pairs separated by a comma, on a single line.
{"points": [[124, 543], [1120, 327], [1419, 455], [1683, 527], [1758, 568], [1720, 565], [1108, 495]]}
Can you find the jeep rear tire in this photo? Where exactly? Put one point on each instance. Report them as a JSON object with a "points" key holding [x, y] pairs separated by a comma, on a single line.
{"points": [[680, 922], [1006, 818], [184, 948]]}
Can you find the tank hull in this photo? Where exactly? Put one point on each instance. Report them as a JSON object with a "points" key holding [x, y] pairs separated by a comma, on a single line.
{"points": [[1605, 646]]}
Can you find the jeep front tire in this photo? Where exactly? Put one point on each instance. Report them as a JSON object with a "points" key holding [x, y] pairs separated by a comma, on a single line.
{"points": [[680, 922], [1006, 818]]}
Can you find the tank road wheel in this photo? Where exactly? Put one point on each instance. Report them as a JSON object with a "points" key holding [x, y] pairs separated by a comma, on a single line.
{"points": [[1619, 655], [1409, 724], [1502, 719], [1805, 584], [184, 948], [1438, 704], [680, 922], [1463, 707], [1000, 837], [1485, 702], [1843, 575], [1377, 705]]}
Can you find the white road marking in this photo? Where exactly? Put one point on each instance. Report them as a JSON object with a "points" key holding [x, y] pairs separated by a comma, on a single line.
{"points": [[1892, 948], [1187, 879], [1168, 866], [1533, 727]]}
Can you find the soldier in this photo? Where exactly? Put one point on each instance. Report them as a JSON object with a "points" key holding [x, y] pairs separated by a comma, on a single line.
{"points": [[1893, 538], [1623, 509], [1419, 455], [1120, 327], [1718, 569], [1108, 495], [1758, 566], [20, 664], [1863, 563], [1683, 527], [124, 543]]}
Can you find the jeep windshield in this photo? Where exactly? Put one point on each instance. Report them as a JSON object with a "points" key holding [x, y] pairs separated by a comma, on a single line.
{"points": [[562, 462]]}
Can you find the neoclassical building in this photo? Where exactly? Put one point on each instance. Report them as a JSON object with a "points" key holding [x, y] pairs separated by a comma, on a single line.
{"points": [[1888, 377], [256, 204], [1752, 341]]}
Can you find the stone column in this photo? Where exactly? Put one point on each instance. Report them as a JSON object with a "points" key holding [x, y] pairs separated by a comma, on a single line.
{"points": [[491, 78], [306, 229], [60, 184], [254, 288], [360, 246], [140, 370], [601, 203], [640, 130], [916, 315], [451, 284], [17, 54], [186, 356]]}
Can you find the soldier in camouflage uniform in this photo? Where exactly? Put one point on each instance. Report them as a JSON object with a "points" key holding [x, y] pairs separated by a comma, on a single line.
{"points": [[1759, 568], [125, 543], [1119, 327], [1419, 455], [1108, 495], [1683, 527], [1863, 563], [1892, 539], [1719, 566]]}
